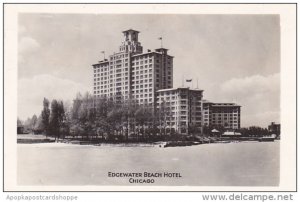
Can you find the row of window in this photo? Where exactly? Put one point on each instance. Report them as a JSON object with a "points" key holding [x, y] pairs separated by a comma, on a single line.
{"points": [[118, 78], [141, 62], [224, 115], [226, 111], [141, 76], [118, 65], [141, 67], [142, 57], [104, 87], [142, 91], [215, 119], [137, 71], [142, 86], [182, 102], [221, 122], [143, 95], [115, 57], [100, 70], [145, 100], [104, 77]]}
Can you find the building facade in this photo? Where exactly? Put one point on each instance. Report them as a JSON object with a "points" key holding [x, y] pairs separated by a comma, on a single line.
{"points": [[180, 109], [226, 115], [147, 78], [274, 128], [130, 73]]}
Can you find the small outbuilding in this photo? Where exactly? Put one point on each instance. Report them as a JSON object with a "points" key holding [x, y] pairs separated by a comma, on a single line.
{"points": [[215, 132], [231, 134]]}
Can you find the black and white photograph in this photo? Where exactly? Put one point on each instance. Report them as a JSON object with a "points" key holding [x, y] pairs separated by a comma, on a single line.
{"points": [[149, 99]]}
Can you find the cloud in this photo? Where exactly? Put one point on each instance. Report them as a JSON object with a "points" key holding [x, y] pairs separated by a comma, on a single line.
{"points": [[256, 84], [28, 44], [262, 119], [258, 95], [32, 91]]}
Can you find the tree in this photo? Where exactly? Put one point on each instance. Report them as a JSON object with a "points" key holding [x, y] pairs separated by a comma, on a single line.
{"points": [[143, 117], [19, 122], [45, 116], [57, 118], [54, 120], [33, 122], [20, 126], [164, 116], [114, 117], [27, 124], [38, 127]]}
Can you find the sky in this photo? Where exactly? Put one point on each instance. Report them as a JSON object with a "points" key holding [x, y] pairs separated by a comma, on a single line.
{"points": [[235, 58]]}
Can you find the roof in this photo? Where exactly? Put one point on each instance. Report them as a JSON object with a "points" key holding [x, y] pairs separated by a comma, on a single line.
{"points": [[101, 62], [180, 88], [215, 131], [149, 53], [230, 133], [130, 30], [225, 105], [161, 49]]}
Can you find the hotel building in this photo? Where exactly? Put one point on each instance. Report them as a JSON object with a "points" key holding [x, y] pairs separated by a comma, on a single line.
{"points": [[132, 73], [180, 109], [147, 78], [226, 115], [274, 128]]}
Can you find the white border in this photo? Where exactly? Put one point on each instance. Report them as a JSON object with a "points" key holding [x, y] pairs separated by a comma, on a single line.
{"points": [[288, 84]]}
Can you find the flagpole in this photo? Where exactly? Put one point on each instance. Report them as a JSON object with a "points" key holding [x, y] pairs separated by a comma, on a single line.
{"points": [[161, 41]]}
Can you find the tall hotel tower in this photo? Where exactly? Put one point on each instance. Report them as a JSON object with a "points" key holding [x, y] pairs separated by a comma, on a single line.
{"points": [[130, 73], [147, 78]]}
